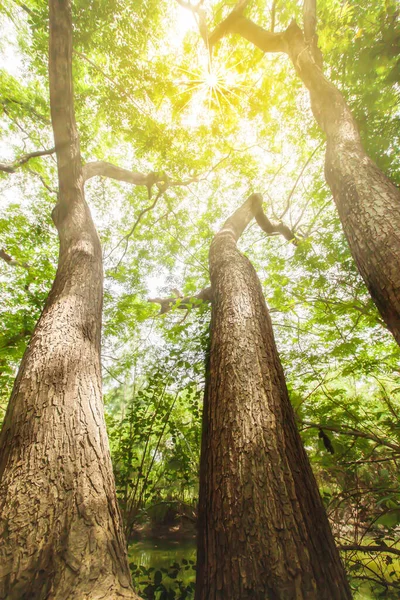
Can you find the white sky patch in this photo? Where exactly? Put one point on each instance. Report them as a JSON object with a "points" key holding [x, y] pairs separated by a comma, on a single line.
{"points": [[10, 59], [185, 22]]}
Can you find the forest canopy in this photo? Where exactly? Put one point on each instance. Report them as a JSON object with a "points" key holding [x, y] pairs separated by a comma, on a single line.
{"points": [[176, 129]]}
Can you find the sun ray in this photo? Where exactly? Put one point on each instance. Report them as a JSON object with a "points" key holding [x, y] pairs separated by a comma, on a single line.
{"points": [[211, 85]]}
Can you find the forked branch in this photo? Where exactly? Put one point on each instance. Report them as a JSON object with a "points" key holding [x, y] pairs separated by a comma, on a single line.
{"points": [[102, 168], [234, 225]]}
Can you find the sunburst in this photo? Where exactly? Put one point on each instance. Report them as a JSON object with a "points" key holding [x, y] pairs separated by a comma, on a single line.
{"points": [[211, 85]]}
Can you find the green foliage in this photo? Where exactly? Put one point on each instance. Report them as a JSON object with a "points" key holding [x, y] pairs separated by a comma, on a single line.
{"points": [[143, 102], [175, 583], [154, 432]]}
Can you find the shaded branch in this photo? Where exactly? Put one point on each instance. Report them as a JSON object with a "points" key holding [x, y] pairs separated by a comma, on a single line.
{"points": [[263, 39], [225, 26], [12, 167], [354, 432], [25, 8], [44, 182], [179, 301], [374, 548], [275, 228], [12, 261]]}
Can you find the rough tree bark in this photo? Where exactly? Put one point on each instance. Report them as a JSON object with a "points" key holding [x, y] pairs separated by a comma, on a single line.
{"points": [[263, 531], [60, 527], [367, 201]]}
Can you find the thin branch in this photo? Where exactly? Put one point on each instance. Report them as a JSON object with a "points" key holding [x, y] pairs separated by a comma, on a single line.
{"points": [[273, 11], [354, 432], [234, 225], [12, 261], [184, 303], [162, 181], [111, 375], [16, 338], [375, 548], [310, 19], [6, 102], [300, 175], [12, 167], [132, 231], [44, 182], [25, 8]]}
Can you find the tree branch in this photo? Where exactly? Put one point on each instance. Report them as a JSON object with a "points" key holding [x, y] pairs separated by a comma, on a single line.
{"points": [[300, 175], [354, 432], [11, 261], [263, 39], [105, 169], [364, 548], [12, 167], [225, 26], [275, 228], [273, 11], [234, 225], [12, 341], [310, 19], [132, 231], [252, 208], [179, 301]]}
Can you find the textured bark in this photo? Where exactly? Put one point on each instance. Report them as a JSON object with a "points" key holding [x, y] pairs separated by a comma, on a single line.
{"points": [[60, 527], [367, 201], [263, 531]]}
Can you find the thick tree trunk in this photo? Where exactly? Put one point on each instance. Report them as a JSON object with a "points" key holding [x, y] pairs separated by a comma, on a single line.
{"points": [[263, 531], [60, 527], [368, 203]]}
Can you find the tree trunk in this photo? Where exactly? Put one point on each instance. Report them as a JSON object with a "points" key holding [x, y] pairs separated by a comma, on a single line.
{"points": [[60, 527], [368, 202], [263, 531]]}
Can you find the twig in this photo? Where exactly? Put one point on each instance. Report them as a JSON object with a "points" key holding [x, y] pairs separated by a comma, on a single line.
{"points": [[300, 175]]}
